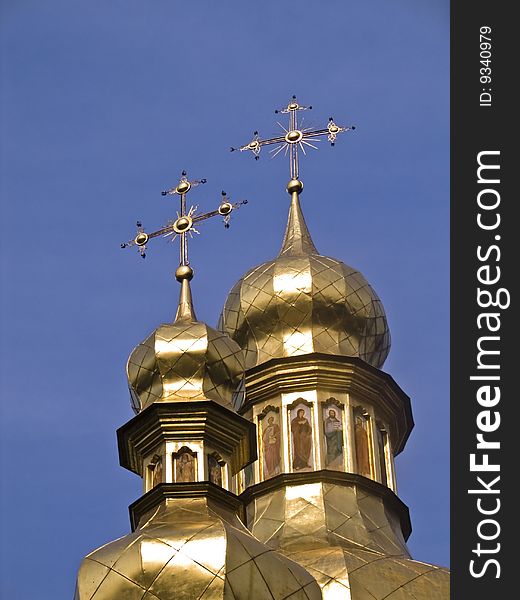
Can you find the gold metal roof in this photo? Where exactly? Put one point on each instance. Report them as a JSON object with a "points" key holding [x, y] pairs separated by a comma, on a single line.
{"points": [[303, 302], [185, 360], [192, 548]]}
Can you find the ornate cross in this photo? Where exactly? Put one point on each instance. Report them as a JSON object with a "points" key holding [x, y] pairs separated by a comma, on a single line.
{"points": [[295, 136], [185, 222]]}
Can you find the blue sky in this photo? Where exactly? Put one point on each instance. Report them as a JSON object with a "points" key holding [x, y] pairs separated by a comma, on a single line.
{"points": [[103, 104]]}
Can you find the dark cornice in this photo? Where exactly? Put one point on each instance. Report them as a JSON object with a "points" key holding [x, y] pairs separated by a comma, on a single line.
{"points": [[163, 491], [338, 478], [224, 429], [238, 504], [337, 374]]}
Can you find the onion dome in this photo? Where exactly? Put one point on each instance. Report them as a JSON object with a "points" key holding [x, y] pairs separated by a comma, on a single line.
{"points": [[302, 302], [185, 360], [192, 548]]}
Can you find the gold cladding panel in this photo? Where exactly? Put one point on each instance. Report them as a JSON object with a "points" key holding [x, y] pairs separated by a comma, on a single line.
{"points": [[346, 540], [185, 360], [188, 549], [307, 303]]}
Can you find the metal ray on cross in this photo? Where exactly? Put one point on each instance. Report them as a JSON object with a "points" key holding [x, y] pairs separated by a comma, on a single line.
{"points": [[295, 137], [186, 220]]}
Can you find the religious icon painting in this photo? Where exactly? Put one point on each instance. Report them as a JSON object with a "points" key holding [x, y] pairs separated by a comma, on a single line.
{"points": [[333, 433], [300, 421], [363, 442], [155, 470], [382, 443], [270, 433], [157, 474], [214, 470], [249, 476], [185, 465]]}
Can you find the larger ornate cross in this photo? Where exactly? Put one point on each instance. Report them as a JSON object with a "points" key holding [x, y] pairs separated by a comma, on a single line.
{"points": [[186, 220], [295, 136]]}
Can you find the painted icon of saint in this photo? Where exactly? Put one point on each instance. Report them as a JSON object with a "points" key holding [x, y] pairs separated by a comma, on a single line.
{"points": [[249, 476], [157, 473], [302, 440], [215, 471], [271, 445], [185, 468], [361, 425], [333, 438]]}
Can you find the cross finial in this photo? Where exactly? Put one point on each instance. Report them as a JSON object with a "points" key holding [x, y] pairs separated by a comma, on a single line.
{"points": [[295, 137], [186, 220]]}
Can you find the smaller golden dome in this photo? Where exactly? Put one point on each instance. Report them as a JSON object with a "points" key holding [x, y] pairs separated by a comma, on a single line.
{"points": [[185, 360]]}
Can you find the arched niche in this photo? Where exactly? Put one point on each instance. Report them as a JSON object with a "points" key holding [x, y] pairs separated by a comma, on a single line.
{"points": [[184, 465]]}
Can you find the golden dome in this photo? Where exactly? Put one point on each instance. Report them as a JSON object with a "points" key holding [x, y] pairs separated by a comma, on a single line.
{"points": [[185, 360], [303, 302], [192, 548]]}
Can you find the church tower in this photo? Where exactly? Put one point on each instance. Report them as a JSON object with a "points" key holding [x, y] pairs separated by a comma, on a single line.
{"points": [[329, 420], [187, 443], [266, 446]]}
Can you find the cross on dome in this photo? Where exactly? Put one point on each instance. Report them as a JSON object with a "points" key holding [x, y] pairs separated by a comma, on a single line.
{"points": [[295, 137], [185, 222]]}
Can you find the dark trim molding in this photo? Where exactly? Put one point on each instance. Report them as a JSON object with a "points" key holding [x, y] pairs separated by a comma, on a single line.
{"points": [[226, 431], [338, 478], [238, 504], [336, 374], [201, 489]]}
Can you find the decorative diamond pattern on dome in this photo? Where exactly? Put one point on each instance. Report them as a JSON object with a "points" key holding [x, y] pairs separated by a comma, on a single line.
{"points": [[185, 360], [143, 375], [187, 550], [347, 540], [301, 304]]}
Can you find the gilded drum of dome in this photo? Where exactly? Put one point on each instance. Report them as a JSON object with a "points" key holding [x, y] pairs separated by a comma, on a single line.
{"points": [[303, 302]]}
